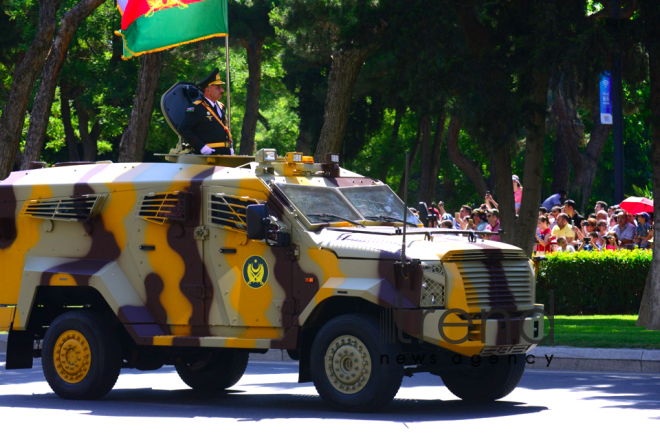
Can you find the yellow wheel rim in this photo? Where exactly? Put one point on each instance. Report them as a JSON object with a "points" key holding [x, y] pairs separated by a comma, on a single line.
{"points": [[348, 364], [72, 356]]}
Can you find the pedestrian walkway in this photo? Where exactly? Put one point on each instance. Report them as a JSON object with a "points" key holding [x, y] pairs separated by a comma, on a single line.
{"points": [[550, 358]]}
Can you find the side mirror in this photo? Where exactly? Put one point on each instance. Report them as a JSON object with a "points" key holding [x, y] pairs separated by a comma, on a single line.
{"points": [[257, 221]]}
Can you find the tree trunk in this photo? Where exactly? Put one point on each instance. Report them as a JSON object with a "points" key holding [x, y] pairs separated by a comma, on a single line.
{"points": [[584, 180], [561, 171], [426, 166], [471, 168], [399, 110], [570, 135], [69, 134], [346, 65], [134, 139], [435, 157], [253, 48], [44, 100], [649, 314], [570, 130], [501, 150], [413, 156], [89, 139], [24, 77], [525, 224]]}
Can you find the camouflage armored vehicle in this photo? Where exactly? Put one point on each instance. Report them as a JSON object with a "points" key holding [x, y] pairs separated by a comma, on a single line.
{"points": [[199, 263]]}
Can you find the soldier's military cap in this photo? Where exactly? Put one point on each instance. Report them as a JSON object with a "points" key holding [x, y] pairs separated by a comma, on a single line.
{"points": [[213, 78]]}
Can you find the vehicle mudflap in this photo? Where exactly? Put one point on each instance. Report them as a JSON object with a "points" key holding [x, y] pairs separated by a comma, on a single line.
{"points": [[19, 350]]}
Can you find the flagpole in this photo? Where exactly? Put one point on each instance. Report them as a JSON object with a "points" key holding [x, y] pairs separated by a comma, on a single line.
{"points": [[228, 87]]}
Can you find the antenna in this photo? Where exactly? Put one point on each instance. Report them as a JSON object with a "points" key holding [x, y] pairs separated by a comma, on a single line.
{"points": [[405, 208]]}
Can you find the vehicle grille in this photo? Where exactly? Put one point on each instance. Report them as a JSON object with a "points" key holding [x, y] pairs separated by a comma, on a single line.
{"points": [[229, 211], [504, 284], [488, 254], [74, 209], [433, 286], [160, 208], [504, 350]]}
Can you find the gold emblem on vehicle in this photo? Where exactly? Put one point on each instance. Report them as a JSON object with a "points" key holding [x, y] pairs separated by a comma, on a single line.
{"points": [[255, 271]]}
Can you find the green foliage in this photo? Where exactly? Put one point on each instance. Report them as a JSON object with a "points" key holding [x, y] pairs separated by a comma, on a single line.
{"points": [[587, 283], [601, 331]]}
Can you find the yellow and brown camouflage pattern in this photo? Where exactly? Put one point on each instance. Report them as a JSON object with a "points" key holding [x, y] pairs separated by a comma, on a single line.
{"points": [[165, 245]]}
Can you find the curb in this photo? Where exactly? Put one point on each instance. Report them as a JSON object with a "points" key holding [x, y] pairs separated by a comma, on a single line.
{"points": [[559, 358], [596, 359]]}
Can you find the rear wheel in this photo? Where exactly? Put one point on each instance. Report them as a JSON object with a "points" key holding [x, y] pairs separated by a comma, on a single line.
{"points": [[214, 371], [81, 356], [352, 368], [488, 381]]}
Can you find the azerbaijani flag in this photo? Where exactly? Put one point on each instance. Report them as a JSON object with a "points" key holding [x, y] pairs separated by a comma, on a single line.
{"points": [[153, 25]]}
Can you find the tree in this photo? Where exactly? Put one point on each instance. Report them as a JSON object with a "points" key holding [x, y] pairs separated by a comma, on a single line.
{"points": [[133, 141], [49, 76], [252, 28], [516, 43], [345, 32], [649, 313], [24, 77]]}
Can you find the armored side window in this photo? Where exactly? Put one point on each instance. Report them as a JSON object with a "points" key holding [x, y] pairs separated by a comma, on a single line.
{"points": [[228, 212], [74, 209], [165, 207]]}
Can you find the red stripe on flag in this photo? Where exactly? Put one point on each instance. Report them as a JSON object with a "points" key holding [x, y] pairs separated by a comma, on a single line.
{"points": [[137, 8]]}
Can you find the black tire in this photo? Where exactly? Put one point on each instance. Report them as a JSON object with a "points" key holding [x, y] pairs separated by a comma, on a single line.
{"points": [[337, 345], [81, 356], [487, 382], [214, 371]]}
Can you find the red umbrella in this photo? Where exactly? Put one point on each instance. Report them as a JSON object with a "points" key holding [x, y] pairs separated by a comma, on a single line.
{"points": [[636, 205]]}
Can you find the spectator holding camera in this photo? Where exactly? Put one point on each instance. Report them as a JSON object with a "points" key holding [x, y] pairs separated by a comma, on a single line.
{"points": [[588, 243], [490, 202], [463, 217], [479, 221]]}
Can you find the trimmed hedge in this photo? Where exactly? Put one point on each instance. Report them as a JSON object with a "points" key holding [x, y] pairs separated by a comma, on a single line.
{"points": [[593, 283]]}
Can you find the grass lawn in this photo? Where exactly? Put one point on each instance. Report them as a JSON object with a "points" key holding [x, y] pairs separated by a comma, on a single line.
{"points": [[602, 331]]}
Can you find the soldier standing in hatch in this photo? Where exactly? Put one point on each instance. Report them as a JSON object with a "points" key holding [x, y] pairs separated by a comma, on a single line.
{"points": [[204, 125]]}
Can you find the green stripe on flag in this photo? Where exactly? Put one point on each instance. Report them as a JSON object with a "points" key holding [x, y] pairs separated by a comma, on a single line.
{"points": [[175, 26]]}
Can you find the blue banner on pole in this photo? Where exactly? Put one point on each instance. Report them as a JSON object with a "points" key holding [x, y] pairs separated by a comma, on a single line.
{"points": [[605, 98]]}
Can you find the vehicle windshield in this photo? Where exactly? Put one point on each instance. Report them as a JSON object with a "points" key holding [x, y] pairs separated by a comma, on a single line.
{"points": [[378, 203], [320, 204]]}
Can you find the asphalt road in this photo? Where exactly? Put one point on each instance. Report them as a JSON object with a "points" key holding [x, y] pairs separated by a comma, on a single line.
{"points": [[270, 403]]}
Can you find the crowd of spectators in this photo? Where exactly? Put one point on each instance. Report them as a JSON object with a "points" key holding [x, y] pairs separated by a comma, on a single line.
{"points": [[560, 227]]}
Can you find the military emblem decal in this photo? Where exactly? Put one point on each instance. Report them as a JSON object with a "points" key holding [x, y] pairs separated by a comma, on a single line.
{"points": [[255, 271], [190, 110]]}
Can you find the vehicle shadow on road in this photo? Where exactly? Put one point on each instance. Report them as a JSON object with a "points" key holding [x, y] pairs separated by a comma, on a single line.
{"points": [[254, 407]]}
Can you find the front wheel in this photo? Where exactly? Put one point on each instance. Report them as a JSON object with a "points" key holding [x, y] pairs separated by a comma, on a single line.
{"points": [[81, 356], [352, 368], [486, 382]]}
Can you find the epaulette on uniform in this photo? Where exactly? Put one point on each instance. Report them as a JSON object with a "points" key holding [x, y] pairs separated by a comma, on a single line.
{"points": [[197, 102]]}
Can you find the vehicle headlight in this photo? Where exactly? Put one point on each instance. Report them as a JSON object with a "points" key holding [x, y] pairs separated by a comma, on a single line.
{"points": [[433, 285]]}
